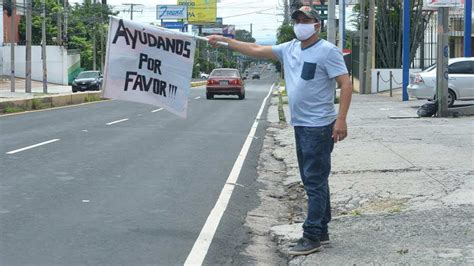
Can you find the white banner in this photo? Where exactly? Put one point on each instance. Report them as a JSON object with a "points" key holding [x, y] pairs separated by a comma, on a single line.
{"points": [[147, 64]]}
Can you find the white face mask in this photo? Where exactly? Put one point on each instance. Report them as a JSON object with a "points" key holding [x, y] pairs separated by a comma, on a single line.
{"points": [[304, 31]]}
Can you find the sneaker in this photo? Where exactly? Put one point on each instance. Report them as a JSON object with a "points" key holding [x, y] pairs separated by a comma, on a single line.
{"points": [[305, 246], [324, 239]]}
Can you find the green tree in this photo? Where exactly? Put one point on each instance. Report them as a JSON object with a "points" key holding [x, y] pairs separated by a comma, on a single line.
{"points": [[285, 33], [244, 35], [84, 21], [389, 29]]}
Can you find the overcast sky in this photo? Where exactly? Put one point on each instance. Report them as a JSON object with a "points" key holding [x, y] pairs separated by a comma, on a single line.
{"points": [[265, 15]]}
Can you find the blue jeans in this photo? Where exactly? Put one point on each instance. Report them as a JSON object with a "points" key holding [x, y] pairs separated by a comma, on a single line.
{"points": [[313, 149]]}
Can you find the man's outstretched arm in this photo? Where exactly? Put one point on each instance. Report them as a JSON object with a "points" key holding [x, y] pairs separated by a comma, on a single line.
{"points": [[246, 48]]}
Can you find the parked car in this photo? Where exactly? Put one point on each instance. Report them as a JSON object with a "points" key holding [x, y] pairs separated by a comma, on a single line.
{"points": [[86, 81], [203, 75], [225, 81], [255, 75], [460, 81]]}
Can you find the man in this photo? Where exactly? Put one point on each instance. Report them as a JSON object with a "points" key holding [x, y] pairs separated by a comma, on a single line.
{"points": [[312, 68]]}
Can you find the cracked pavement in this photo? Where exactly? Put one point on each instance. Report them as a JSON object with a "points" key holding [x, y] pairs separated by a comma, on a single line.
{"points": [[401, 189]]}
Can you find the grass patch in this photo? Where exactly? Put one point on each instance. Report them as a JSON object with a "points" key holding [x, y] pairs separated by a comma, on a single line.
{"points": [[92, 98], [356, 213], [198, 83], [13, 109], [282, 82], [336, 100], [281, 113], [37, 104], [395, 210]]}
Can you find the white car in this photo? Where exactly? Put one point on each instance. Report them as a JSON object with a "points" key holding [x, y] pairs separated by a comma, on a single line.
{"points": [[203, 75], [460, 83]]}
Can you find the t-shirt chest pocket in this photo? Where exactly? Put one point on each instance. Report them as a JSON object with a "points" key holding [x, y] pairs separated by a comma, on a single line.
{"points": [[308, 71]]}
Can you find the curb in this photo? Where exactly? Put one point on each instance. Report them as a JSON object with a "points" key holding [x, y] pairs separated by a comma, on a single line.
{"points": [[45, 102]]}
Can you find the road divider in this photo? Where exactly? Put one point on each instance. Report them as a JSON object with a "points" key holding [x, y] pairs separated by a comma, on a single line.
{"points": [[198, 83], [35, 102]]}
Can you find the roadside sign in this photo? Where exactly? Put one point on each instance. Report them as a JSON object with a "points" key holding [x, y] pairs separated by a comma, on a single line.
{"points": [[171, 12], [211, 30], [176, 25], [320, 7], [444, 3]]}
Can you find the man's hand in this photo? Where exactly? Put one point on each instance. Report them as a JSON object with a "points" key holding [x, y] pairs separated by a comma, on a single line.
{"points": [[339, 130], [213, 39]]}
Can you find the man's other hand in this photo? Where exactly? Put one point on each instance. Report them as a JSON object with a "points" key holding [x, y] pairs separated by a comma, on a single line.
{"points": [[339, 130]]}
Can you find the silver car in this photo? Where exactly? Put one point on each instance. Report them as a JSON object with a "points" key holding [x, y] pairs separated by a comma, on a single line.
{"points": [[460, 84]]}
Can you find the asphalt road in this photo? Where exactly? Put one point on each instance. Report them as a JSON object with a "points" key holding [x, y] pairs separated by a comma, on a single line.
{"points": [[133, 192]]}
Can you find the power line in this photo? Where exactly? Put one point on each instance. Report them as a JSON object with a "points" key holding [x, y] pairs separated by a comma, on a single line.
{"points": [[131, 9]]}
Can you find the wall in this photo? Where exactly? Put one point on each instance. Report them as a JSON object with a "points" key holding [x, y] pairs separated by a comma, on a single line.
{"points": [[6, 20], [58, 63], [384, 81]]}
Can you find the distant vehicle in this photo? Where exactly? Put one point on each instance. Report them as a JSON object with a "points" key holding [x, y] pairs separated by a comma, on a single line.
{"points": [[203, 75], [255, 75], [460, 83], [87, 81], [225, 81]]}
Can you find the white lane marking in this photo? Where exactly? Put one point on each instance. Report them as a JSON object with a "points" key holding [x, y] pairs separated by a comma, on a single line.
{"points": [[157, 110], [201, 246], [118, 121], [199, 97], [86, 201], [33, 146]]}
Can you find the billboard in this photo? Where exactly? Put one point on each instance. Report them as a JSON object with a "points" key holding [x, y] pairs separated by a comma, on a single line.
{"points": [[229, 31], [171, 12], [200, 12]]}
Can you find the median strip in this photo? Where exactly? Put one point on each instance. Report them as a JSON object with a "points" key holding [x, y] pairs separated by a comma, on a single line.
{"points": [[33, 146]]}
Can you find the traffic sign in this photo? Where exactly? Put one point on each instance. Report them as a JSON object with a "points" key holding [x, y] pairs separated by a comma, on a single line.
{"points": [[173, 25]]}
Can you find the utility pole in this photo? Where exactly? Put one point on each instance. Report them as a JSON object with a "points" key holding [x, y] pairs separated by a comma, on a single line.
{"points": [[286, 12], [342, 24], [102, 47], [65, 39], [362, 54], [43, 49], [467, 28], [28, 47], [406, 47], [131, 8], [94, 42], [251, 30], [332, 21], [12, 46], [60, 33], [442, 61], [370, 46]]}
